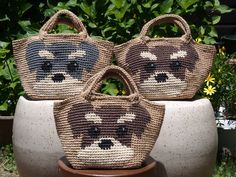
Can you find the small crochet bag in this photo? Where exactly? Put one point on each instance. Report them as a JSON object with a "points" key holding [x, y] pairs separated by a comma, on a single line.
{"points": [[166, 68], [102, 131], [55, 66]]}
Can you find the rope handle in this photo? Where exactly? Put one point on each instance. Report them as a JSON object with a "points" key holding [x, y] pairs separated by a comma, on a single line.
{"points": [[107, 72], [168, 18], [71, 20]]}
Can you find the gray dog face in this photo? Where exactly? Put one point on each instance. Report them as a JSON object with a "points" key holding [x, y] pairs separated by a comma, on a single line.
{"points": [[60, 61]]}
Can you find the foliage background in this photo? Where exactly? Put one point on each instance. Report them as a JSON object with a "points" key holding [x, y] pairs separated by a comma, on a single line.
{"points": [[114, 20]]}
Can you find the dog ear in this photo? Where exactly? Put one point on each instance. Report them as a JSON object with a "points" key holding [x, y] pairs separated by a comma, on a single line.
{"points": [[134, 58], [191, 57], [32, 54], [142, 118], [90, 57], [78, 113]]}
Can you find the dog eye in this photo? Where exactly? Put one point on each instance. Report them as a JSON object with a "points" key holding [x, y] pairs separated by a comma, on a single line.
{"points": [[122, 131], [94, 132], [175, 65], [72, 66], [150, 67], [46, 66]]}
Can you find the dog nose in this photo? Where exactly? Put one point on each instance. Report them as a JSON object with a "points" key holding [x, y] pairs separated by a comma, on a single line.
{"points": [[162, 77], [105, 144], [59, 77]]}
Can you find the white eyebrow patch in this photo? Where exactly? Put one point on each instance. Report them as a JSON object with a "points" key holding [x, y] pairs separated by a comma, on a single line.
{"points": [[179, 54], [78, 53], [93, 117], [46, 54], [148, 55], [128, 117]]}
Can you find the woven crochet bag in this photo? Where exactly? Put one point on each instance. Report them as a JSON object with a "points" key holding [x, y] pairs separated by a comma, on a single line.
{"points": [[55, 66], [101, 131], [166, 68]]}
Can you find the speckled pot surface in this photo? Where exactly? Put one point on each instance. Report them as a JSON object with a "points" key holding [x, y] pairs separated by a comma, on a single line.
{"points": [[186, 146], [35, 141], [187, 143]]}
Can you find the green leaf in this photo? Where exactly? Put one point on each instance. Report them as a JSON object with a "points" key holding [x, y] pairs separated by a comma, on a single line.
{"points": [[72, 3], [4, 44], [166, 6], [13, 85], [4, 106], [41, 5], [213, 32], [5, 73], [224, 9], [186, 3], [216, 2], [85, 8], [154, 6], [110, 88], [110, 10], [92, 25], [216, 19], [130, 23], [202, 30], [117, 3], [24, 24], [208, 4], [209, 40], [133, 1], [5, 19], [120, 14], [140, 9], [3, 53], [147, 5], [24, 7], [49, 12]]}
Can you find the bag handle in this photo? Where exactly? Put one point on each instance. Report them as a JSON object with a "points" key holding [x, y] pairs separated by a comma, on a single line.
{"points": [[168, 18], [71, 20], [111, 71]]}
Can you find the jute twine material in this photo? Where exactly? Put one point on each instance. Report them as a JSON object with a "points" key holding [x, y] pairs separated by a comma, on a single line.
{"points": [[56, 66], [108, 132], [166, 68]]}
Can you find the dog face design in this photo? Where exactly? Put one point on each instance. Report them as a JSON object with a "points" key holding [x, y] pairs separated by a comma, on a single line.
{"points": [[163, 68], [59, 62], [107, 131]]}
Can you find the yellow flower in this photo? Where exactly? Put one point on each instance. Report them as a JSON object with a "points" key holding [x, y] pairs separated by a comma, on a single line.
{"points": [[210, 79], [220, 82], [209, 90], [222, 50]]}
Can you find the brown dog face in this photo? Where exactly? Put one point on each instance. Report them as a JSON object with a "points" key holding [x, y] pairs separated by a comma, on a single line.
{"points": [[163, 68], [107, 129]]}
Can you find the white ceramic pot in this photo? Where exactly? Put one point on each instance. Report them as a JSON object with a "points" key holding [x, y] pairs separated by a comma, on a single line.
{"points": [[187, 143], [186, 146], [35, 141]]}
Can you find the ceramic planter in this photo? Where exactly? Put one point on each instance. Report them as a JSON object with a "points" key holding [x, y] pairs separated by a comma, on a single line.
{"points": [[6, 129], [187, 144], [35, 141]]}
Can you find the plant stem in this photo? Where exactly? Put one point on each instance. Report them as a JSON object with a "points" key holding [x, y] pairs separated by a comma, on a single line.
{"points": [[8, 67]]}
